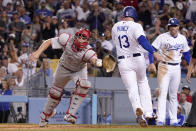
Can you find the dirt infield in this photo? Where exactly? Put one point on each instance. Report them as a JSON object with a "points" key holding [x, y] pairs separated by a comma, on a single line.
{"points": [[61, 127]]}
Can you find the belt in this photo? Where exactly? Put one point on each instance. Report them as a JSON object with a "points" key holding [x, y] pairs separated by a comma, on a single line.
{"points": [[169, 63], [134, 55]]}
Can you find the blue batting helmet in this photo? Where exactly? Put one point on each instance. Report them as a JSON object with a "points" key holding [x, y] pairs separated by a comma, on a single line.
{"points": [[130, 11], [173, 22]]}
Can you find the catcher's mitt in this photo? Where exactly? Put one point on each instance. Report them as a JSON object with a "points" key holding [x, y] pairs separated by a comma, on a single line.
{"points": [[109, 63]]}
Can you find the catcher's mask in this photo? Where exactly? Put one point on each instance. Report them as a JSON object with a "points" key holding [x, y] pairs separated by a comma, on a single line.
{"points": [[81, 38]]}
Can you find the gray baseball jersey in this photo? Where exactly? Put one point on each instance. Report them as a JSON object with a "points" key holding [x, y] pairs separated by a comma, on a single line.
{"points": [[72, 59]]}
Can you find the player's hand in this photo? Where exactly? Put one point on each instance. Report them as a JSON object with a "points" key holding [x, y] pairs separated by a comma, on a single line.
{"points": [[34, 56], [158, 57], [152, 68], [99, 63]]}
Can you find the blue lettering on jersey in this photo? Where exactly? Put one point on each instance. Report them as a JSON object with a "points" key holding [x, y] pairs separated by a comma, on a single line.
{"points": [[174, 47], [122, 28]]}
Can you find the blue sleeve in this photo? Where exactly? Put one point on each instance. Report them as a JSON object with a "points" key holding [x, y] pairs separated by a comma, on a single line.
{"points": [[187, 56], [145, 44], [151, 57]]}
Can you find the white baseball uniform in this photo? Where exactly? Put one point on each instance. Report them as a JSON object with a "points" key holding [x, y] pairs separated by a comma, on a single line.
{"points": [[169, 72], [131, 63]]}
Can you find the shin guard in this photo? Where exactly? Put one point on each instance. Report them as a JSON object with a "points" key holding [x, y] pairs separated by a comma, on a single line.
{"points": [[78, 96]]}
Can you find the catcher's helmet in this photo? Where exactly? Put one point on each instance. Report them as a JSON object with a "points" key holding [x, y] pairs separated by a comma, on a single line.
{"points": [[130, 11], [173, 22], [82, 34]]}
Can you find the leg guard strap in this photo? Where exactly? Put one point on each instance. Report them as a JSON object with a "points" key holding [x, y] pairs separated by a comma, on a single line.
{"points": [[56, 93]]}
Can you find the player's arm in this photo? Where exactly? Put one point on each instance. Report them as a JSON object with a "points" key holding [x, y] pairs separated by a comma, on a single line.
{"points": [[191, 64], [140, 36], [96, 62], [91, 57], [35, 55], [147, 46], [187, 56]]}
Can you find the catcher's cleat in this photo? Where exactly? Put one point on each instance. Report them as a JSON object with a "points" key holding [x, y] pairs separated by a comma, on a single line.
{"points": [[140, 118], [43, 122], [70, 118]]}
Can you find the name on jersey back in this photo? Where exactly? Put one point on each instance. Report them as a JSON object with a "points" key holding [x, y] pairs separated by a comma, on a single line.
{"points": [[122, 28]]}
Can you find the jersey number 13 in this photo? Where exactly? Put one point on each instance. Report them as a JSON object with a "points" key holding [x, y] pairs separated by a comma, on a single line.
{"points": [[123, 41]]}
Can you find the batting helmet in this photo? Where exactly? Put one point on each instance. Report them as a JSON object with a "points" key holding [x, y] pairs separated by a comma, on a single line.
{"points": [[173, 22], [82, 34], [130, 11]]}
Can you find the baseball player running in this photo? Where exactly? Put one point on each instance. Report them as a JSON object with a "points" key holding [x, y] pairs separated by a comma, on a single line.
{"points": [[72, 66], [171, 45], [131, 44]]}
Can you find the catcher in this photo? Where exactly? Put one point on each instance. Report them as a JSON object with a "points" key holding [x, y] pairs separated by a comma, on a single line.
{"points": [[72, 66]]}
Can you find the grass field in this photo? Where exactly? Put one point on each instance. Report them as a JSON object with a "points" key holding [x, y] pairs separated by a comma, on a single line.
{"points": [[33, 127]]}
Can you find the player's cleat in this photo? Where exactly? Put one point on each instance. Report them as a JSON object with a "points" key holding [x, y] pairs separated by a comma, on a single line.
{"points": [[160, 123], [175, 124], [70, 118], [140, 118], [43, 122]]}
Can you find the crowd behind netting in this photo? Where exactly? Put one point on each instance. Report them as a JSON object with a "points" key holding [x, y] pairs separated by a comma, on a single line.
{"points": [[25, 24]]}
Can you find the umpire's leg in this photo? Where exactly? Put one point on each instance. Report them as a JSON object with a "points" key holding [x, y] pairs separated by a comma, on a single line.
{"points": [[191, 120]]}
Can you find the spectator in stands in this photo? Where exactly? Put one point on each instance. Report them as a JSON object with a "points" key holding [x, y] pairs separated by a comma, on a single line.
{"points": [[19, 80], [43, 12], [30, 8], [191, 10], [155, 30], [104, 8], [180, 117], [187, 90], [83, 11], [4, 61], [2, 43], [106, 44], [16, 27], [48, 31], [186, 106], [47, 72], [29, 68], [64, 28], [5, 106], [94, 37], [144, 13], [2, 75], [9, 10], [36, 27], [24, 17], [56, 24], [3, 23], [96, 18], [67, 13], [29, 35]]}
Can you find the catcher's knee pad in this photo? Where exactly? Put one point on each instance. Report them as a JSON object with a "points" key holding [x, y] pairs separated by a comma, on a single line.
{"points": [[82, 87], [55, 93]]}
